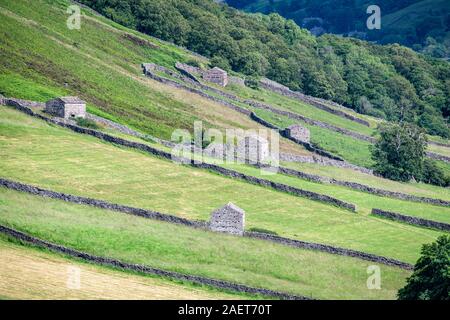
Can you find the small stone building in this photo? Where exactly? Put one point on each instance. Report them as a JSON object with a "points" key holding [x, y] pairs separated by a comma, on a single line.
{"points": [[253, 149], [66, 107], [216, 75], [228, 219], [299, 132]]}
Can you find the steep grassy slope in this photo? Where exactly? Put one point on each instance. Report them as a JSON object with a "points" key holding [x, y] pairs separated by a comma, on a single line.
{"points": [[252, 262], [101, 64], [61, 160], [30, 273], [345, 70], [97, 63]]}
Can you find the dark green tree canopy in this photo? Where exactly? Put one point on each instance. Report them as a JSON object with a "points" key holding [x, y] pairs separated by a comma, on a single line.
{"points": [[400, 151], [431, 277], [398, 83]]}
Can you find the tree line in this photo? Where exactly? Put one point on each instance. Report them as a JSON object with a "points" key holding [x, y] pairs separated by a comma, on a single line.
{"points": [[390, 82]]}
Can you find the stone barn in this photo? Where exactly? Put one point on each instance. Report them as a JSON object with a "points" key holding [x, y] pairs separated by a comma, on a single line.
{"points": [[66, 107], [253, 149], [299, 132], [228, 219], [216, 75]]}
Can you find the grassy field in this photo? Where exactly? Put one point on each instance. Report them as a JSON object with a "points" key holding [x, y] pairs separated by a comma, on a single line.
{"points": [[294, 105], [365, 202], [54, 158], [419, 189], [439, 149], [248, 261], [111, 63], [29, 273], [351, 149]]}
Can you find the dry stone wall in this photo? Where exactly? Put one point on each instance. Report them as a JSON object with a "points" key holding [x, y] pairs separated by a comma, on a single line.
{"points": [[309, 121], [323, 162], [99, 204], [441, 144], [283, 90], [114, 125], [189, 71], [363, 188], [287, 135], [330, 249], [412, 220], [439, 157], [220, 284], [390, 194], [193, 224], [215, 168]]}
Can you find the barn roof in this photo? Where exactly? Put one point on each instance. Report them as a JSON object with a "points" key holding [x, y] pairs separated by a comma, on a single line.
{"points": [[70, 99], [218, 70]]}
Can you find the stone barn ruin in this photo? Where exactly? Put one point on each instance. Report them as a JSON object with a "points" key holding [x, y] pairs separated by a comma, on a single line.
{"points": [[228, 219], [66, 107], [299, 132], [216, 75]]}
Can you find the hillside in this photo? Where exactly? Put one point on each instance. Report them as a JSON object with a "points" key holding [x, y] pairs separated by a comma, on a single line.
{"points": [[105, 193], [419, 24], [375, 80]]}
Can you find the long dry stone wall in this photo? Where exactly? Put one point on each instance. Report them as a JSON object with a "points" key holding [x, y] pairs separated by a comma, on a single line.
{"points": [[440, 157], [441, 144], [363, 188], [391, 194], [104, 261], [291, 115], [330, 249], [309, 121], [412, 220], [215, 168], [252, 115], [148, 214], [316, 102], [323, 162], [198, 92], [115, 125]]}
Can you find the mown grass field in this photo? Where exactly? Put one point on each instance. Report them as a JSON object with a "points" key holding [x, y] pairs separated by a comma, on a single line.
{"points": [[29, 273], [55, 158], [365, 202], [248, 261]]}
